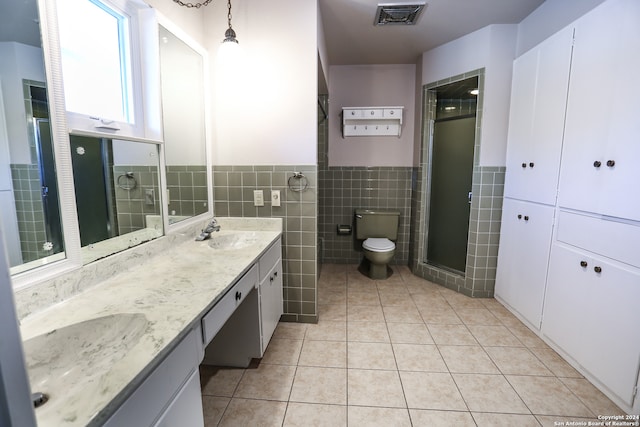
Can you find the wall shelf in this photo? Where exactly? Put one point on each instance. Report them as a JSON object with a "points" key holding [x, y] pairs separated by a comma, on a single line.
{"points": [[371, 121]]}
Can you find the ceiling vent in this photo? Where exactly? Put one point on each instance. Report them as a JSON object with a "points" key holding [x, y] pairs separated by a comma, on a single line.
{"points": [[399, 14]]}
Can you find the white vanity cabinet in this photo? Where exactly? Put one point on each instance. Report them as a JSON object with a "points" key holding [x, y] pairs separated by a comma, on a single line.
{"points": [[600, 169], [523, 257], [536, 120], [271, 304], [170, 395], [591, 312]]}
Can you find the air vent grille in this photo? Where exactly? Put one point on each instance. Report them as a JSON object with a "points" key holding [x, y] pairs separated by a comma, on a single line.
{"points": [[399, 14]]}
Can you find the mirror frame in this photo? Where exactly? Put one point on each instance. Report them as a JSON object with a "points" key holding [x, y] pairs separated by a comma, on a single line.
{"points": [[189, 41]]}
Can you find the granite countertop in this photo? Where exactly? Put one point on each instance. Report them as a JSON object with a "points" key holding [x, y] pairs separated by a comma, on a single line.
{"points": [[163, 299]]}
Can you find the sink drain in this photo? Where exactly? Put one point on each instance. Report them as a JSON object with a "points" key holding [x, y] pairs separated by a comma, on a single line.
{"points": [[39, 399]]}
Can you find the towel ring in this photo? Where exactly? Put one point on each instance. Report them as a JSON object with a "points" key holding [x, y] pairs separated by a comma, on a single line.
{"points": [[300, 184], [128, 183]]}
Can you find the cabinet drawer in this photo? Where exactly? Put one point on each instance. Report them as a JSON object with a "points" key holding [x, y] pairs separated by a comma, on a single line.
{"points": [[218, 315], [269, 259], [392, 113], [373, 113], [611, 239], [351, 114]]}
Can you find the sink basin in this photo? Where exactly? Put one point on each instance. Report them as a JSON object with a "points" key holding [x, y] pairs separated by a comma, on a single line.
{"points": [[57, 360], [234, 240]]}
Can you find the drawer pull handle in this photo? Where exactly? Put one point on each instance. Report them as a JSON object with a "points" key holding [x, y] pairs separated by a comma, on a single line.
{"points": [[519, 216], [531, 164], [611, 163], [271, 279], [583, 263], [526, 217], [597, 164], [597, 269], [238, 295], [524, 165], [275, 274]]}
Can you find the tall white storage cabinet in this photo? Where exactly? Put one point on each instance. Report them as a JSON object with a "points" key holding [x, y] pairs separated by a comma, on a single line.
{"points": [[590, 283]]}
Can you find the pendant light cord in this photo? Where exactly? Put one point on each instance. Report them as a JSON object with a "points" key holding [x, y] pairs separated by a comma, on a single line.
{"points": [[193, 5], [229, 12]]}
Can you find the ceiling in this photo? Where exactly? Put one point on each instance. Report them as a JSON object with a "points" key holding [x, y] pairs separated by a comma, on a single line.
{"points": [[19, 22], [352, 38]]}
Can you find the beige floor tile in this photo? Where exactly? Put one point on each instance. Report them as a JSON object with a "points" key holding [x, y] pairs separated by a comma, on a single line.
{"points": [[375, 388], [332, 312], [213, 408], [459, 301], [332, 296], [467, 359], [328, 354], [517, 361], [216, 381], [368, 332], [366, 416], [494, 336], [489, 393], [419, 357], [409, 333], [440, 316], [493, 304], [548, 396], [593, 398], [431, 390], [364, 313], [282, 352], [392, 284], [363, 297], [401, 314], [555, 363], [400, 299], [451, 335], [527, 337], [505, 420], [243, 412], [507, 318], [313, 415], [327, 330], [425, 418], [365, 355], [290, 330], [477, 316], [432, 300], [272, 382], [320, 385]]}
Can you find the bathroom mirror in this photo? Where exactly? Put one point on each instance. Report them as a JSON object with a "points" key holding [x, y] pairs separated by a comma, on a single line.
{"points": [[29, 203], [182, 71], [117, 194]]}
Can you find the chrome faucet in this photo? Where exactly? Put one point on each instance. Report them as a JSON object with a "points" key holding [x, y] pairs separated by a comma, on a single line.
{"points": [[210, 228]]}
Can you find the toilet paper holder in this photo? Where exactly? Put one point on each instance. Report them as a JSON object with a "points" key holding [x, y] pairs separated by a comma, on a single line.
{"points": [[344, 229]]}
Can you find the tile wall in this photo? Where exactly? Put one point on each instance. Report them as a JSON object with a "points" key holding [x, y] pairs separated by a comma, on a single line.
{"points": [[233, 188], [132, 205], [27, 191], [485, 215]]}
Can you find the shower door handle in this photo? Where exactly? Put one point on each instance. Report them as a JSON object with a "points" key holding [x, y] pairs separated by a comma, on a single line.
{"points": [[470, 194]]}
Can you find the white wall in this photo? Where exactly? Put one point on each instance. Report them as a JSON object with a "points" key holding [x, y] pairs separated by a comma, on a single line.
{"points": [[368, 86], [323, 58], [491, 48], [190, 20], [265, 111]]}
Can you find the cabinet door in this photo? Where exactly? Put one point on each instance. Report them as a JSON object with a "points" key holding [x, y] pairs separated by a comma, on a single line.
{"points": [[602, 122], [536, 121], [525, 240], [591, 312], [271, 307], [186, 408]]}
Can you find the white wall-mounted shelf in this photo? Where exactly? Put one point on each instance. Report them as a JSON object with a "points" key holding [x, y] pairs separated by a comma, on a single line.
{"points": [[371, 121]]}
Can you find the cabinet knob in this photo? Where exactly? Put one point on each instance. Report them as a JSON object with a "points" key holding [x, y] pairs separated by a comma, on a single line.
{"points": [[583, 264], [238, 295], [275, 274], [519, 216], [524, 165], [372, 113], [611, 163], [271, 279], [597, 164], [597, 269], [526, 217], [531, 164]]}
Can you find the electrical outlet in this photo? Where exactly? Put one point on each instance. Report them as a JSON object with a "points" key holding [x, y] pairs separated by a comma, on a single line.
{"points": [[258, 198], [275, 197]]}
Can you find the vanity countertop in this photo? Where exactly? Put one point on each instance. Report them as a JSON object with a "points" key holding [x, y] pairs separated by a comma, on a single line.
{"points": [[172, 290]]}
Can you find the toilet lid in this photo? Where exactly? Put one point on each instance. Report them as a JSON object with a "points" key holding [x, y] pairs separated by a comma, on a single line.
{"points": [[376, 244]]}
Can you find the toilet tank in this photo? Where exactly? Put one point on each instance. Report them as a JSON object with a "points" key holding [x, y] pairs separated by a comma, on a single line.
{"points": [[377, 223]]}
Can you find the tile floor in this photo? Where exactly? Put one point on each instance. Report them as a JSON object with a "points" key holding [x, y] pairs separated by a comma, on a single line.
{"points": [[401, 352]]}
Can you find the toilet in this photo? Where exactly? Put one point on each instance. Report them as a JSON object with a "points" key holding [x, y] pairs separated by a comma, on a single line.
{"points": [[378, 229]]}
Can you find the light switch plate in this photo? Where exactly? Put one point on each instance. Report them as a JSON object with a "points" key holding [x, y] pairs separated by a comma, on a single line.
{"points": [[258, 198], [275, 197]]}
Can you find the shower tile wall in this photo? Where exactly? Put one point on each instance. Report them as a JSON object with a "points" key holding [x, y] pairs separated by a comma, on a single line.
{"points": [[484, 221], [233, 188], [27, 191], [132, 205], [187, 187]]}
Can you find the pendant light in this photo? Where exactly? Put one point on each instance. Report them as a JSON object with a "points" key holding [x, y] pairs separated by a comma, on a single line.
{"points": [[229, 35]]}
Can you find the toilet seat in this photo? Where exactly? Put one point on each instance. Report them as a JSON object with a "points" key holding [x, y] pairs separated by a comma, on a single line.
{"points": [[376, 244]]}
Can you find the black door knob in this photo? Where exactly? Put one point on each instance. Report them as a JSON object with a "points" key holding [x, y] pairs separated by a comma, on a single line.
{"points": [[597, 269], [597, 164], [583, 263], [611, 163], [526, 217], [531, 164], [524, 165], [238, 295], [519, 216]]}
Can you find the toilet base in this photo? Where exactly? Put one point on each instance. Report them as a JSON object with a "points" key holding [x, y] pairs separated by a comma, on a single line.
{"points": [[375, 271]]}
